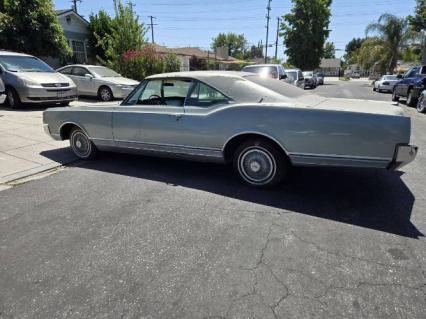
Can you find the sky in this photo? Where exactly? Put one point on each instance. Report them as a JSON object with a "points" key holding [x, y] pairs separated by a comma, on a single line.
{"points": [[194, 23]]}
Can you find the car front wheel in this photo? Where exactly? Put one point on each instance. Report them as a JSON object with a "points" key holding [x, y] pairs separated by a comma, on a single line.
{"points": [[259, 163], [81, 145], [421, 107], [395, 96], [13, 98], [411, 101], [105, 94]]}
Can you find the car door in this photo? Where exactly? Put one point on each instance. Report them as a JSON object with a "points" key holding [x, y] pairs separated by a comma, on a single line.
{"points": [[151, 118], [84, 84], [408, 79]]}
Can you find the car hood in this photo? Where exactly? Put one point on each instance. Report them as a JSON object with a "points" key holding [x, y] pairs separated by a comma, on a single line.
{"points": [[44, 77], [119, 80], [349, 105]]}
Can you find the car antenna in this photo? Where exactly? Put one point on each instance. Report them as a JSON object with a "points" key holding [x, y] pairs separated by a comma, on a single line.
{"points": [[261, 99]]}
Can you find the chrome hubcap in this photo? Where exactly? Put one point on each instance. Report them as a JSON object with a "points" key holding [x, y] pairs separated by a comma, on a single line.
{"points": [[80, 144], [105, 95], [257, 165]]}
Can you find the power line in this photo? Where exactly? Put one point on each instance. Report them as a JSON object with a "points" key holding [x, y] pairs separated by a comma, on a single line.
{"points": [[268, 8], [152, 28]]}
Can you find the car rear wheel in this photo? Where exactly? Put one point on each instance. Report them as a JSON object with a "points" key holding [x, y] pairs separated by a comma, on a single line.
{"points": [[411, 101], [260, 163], [421, 107], [105, 94], [13, 98], [395, 96], [81, 145]]}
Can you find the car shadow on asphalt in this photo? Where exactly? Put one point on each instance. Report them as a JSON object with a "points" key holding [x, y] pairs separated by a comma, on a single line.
{"points": [[371, 198]]}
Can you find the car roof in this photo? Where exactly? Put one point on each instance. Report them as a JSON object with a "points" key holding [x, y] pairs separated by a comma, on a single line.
{"points": [[257, 65], [292, 70], [9, 53], [79, 65], [240, 86]]}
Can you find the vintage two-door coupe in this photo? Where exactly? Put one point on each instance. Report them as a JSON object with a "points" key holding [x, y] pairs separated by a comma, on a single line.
{"points": [[261, 125]]}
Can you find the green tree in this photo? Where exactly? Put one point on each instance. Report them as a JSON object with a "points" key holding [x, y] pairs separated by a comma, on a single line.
{"points": [[351, 50], [394, 33], [305, 30], [372, 53], [329, 51], [236, 43], [100, 26], [171, 63], [255, 51], [127, 33], [418, 23], [31, 26]]}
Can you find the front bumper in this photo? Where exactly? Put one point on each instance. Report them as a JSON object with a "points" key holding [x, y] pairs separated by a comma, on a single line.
{"points": [[404, 154], [36, 94], [2, 98]]}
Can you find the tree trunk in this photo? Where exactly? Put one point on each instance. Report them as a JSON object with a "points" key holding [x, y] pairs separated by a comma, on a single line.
{"points": [[424, 50]]}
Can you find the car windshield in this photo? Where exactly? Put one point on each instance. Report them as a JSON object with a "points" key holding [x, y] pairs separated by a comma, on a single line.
{"points": [[103, 72], [267, 71], [291, 75], [308, 74], [16, 63]]}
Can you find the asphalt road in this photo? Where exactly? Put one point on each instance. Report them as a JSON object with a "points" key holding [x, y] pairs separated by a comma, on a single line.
{"points": [[135, 237]]}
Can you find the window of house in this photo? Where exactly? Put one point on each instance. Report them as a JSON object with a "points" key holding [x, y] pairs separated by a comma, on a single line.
{"points": [[78, 51], [205, 96]]}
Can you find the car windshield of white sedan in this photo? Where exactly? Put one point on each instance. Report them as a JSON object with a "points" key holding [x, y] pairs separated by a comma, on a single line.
{"points": [[103, 72], [266, 71], [291, 76], [15, 63]]}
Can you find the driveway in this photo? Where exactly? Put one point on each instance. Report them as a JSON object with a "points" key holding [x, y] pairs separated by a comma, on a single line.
{"points": [[137, 237]]}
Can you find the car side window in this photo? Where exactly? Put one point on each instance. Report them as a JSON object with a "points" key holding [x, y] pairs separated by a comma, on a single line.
{"points": [[66, 70], [151, 95], [300, 75], [205, 96], [413, 72], [79, 71]]}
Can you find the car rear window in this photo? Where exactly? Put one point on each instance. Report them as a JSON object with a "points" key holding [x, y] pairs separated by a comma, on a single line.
{"points": [[279, 87], [263, 70]]}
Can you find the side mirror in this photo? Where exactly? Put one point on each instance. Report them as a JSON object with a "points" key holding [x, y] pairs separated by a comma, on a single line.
{"points": [[399, 76], [283, 76], [89, 76]]}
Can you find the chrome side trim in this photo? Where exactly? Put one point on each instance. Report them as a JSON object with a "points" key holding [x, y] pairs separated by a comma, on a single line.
{"points": [[342, 156], [300, 159]]}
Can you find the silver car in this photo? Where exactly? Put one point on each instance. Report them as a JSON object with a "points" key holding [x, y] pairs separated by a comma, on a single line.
{"points": [[295, 77], [310, 79], [30, 80], [261, 125], [421, 102], [275, 71], [385, 83], [2, 92], [99, 81]]}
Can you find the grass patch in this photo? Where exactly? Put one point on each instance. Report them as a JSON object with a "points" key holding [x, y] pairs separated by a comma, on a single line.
{"points": [[344, 78]]}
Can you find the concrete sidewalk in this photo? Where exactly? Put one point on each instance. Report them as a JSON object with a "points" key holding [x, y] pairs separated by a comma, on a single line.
{"points": [[24, 147]]}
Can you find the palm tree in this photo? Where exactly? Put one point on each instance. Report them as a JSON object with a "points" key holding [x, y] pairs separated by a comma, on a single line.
{"points": [[394, 33]]}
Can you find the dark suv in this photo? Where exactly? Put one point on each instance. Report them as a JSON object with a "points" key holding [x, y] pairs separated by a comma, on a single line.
{"points": [[411, 85]]}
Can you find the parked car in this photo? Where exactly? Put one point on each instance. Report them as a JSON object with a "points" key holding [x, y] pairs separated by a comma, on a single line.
{"points": [[320, 78], [385, 83], [421, 103], [261, 125], [411, 85], [355, 75], [2, 92], [99, 81], [295, 77], [30, 80], [310, 79], [275, 71]]}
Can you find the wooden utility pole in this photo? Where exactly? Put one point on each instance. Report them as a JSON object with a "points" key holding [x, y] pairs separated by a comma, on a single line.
{"points": [[74, 2], [276, 39], [268, 8], [152, 28]]}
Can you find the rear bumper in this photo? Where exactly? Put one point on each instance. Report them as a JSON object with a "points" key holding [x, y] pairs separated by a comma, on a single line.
{"points": [[404, 154]]}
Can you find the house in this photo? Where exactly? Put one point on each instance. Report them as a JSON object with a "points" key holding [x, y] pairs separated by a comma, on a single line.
{"points": [[188, 55], [330, 67], [76, 31]]}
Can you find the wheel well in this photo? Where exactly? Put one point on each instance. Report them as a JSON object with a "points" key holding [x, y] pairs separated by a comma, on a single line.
{"points": [[66, 130], [232, 145], [104, 86]]}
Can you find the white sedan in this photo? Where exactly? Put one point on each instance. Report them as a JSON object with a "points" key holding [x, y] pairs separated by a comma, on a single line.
{"points": [[385, 83]]}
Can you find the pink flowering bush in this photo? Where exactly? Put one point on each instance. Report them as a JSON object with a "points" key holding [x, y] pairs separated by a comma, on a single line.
{"points": [[138, 64]]}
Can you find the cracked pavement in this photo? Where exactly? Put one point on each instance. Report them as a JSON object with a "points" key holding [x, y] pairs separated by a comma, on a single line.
{"points": [[136, 237]]}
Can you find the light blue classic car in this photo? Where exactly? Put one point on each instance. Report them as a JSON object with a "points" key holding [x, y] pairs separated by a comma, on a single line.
{"points": [[261, 125]]}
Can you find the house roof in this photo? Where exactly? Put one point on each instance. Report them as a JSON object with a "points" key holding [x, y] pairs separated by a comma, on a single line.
{"points": [[330, 63], [66, 12], [193, 51]]}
